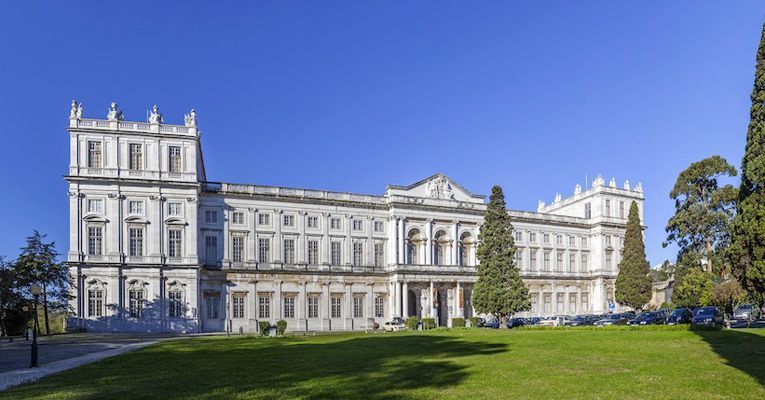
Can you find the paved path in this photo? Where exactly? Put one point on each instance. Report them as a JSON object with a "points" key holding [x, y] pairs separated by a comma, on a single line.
{"points": [[61, 352]]}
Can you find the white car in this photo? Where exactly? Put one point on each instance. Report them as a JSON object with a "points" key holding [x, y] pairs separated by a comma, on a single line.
{"points": [[393, 326], [558, 320]]}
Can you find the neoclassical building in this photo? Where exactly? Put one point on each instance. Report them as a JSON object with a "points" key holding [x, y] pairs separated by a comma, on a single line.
{"points": [[155, 246]]}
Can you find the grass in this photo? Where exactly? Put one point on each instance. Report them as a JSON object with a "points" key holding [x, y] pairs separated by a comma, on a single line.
{"points": [[455, 364]]}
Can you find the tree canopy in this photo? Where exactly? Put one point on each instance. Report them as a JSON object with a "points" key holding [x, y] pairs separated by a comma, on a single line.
{"points": [[633, 284]]}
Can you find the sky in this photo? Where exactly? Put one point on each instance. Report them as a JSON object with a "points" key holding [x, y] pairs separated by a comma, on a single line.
{"points": [[353, 96]]}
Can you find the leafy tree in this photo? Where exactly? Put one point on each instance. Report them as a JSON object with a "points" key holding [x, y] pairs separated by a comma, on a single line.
{"points": [[633, 285], [663, 273], [499, 289], [748, 249], [37, 265], [703, 212], [694, 290], [727, 295], [11, 299]]}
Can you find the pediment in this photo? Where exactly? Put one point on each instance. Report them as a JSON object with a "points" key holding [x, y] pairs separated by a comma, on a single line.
{"points": [[175, 221], [94, 218], [436, 187], [136, 220]]}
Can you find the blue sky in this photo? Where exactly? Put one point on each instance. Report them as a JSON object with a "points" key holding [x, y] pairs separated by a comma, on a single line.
{"points": [[352, 96]]}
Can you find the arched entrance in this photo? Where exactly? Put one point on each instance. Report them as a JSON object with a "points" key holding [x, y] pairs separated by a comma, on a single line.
{"points": [[414, 304]]}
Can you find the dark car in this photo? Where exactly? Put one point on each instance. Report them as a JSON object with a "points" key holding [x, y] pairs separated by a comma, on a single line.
{"points": [[534, 321], [582, 320], [680, 316], [516, 322], [647, 318], [492, 323], [612, 319], [629, 315], [708, 317]]}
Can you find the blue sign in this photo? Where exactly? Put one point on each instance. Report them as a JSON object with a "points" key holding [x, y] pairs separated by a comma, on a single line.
{"points": [[611, 305]]}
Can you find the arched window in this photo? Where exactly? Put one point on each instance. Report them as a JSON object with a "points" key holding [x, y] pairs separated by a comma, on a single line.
{"points": [[466, 241], [136, 296], [440, 248], [96, 298], [413, 243]]}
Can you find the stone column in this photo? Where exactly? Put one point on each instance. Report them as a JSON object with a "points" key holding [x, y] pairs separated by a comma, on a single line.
{"points": [[432, 299], [277, 245], [370, 258], [224, 241], [455, 243], [327, 241], [348, 240], [370, 308], [458, 308], [391, 300], [349, 307], [277, 314], [405, 300], [302, 307], [325, 321], [398, 298], [429, 242], [392, 240], [252, 305], [301, 240], [252, 249], [402, 241]]}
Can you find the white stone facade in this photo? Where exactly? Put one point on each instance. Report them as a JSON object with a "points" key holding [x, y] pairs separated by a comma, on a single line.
{"points": [[155, 246]]}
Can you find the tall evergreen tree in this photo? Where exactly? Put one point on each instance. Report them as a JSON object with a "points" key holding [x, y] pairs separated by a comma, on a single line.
{"points": [[499, 290], [37, 265], [633, 285], [748, 249]]}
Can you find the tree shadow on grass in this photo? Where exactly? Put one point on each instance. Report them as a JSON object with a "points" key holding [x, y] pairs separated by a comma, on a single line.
{"points": [[369, 367], [741, 349]]}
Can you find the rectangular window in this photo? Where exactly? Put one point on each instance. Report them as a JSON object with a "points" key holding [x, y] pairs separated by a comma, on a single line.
{"points": [[136, 157], [608, 260], [621, 209], [559, 239], [264, 307], [358, 307], [532, 259], [264, 250], [588, 210], [211, 216], [572, 303], [289, 307], [95, 240], [379, 226], [237, 249], [336, 307], [608, 240], [571, 262], [211, 248], [213, 305], [608, 208], [174, 209], [264, 219], [546, 238], [96, 206], [379, 254], [532, 237], [95, 159], [519, 258], [518, 236], [585, 260], [336, 253], [585, 302], [136, 242], [289, 221], [358, 225], [289, 251], [135, 207], [584, 242], [313, 222], [174, 242], [237, 218], [379, 306], [175, 163], [546, 265], [559, 261], [313, 306], [358, 253], [559, 307], [95, 303], [313, 252], [135, 305], [571, 241], [175, 298], [335, 223], [548, 304], [237, 305], [534, 303]]}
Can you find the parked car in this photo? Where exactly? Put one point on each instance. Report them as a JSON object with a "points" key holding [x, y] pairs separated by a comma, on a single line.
{"points": [[629, 315], [397, 324], [746, 312], [647, 318], [558, 320], [612, 319], [516, 322], [708, 317], [534, 321], [481, 322], [582, 320], [680, 316], [492, 323]]}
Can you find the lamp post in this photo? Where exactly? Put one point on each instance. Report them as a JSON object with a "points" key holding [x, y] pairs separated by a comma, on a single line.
{"points": [[35, 289], [26, 322]]}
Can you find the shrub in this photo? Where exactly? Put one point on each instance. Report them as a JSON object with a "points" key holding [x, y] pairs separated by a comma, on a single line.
{"points": [[474, 322], [458, 322], [264, 327], [668, 306], [281, 327], [428, 323], [412, 322]]}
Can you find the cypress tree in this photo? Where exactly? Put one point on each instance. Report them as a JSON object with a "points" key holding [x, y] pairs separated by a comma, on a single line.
{"points": [[499, 290], [748, 249], [633, 285]]}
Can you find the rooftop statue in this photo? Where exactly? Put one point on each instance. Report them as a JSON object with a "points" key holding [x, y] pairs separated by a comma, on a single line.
{"points": [[577, 189], [639, 187], [627, 185], [557, 198], [114, 114], [612, 183], [598, 181], [190, 119], [76, 111], [155, 117], [540, 205]]}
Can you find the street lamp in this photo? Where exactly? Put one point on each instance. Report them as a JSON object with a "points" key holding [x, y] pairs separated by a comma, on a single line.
{"points": [[35, 289], [26, 322]]}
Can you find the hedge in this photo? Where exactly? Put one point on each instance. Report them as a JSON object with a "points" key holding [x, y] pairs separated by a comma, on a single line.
{"points": [[475, 322], [281, 327], [412, 322], [264, 327], [458, 322], [428, 323]]}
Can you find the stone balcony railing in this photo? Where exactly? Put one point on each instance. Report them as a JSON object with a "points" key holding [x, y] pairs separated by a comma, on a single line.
{"points": [[291, 192], [128, 126], [366, 269]]}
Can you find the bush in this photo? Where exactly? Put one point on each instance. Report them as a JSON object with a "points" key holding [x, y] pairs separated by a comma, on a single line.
{"points": [[667, 306], [264, 327], [474, 322], [428, 323], [412, 322], [281, 327], [458, 322]]}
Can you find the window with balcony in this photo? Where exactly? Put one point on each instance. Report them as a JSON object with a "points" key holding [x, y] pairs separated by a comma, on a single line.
{"points": [[237, 305], [313, 252], [336, 253], [135, 235], [237, 248], [289, 251], [174, 242], [136, 156], [264, 250], [95, 240], [95, 158], [358, 253], [175, 160], [379, 254], [175, 300]]}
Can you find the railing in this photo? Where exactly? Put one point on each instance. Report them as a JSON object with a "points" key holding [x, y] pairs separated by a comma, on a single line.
{"points": [[292, 192], [281, 267], [432, 269], [133, 126]]}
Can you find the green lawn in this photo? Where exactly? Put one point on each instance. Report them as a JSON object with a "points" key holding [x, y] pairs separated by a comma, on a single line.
{"points": [[457, 364]]}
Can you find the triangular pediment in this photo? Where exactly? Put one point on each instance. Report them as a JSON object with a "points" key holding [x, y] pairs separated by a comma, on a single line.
{"points": [[436, 187]]}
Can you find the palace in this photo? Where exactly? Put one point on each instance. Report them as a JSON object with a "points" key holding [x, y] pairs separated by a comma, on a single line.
{"points": [[156, 247]]}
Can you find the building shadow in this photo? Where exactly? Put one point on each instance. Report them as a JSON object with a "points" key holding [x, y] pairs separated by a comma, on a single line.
{"points": [[742, 350], [371, 367]]}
